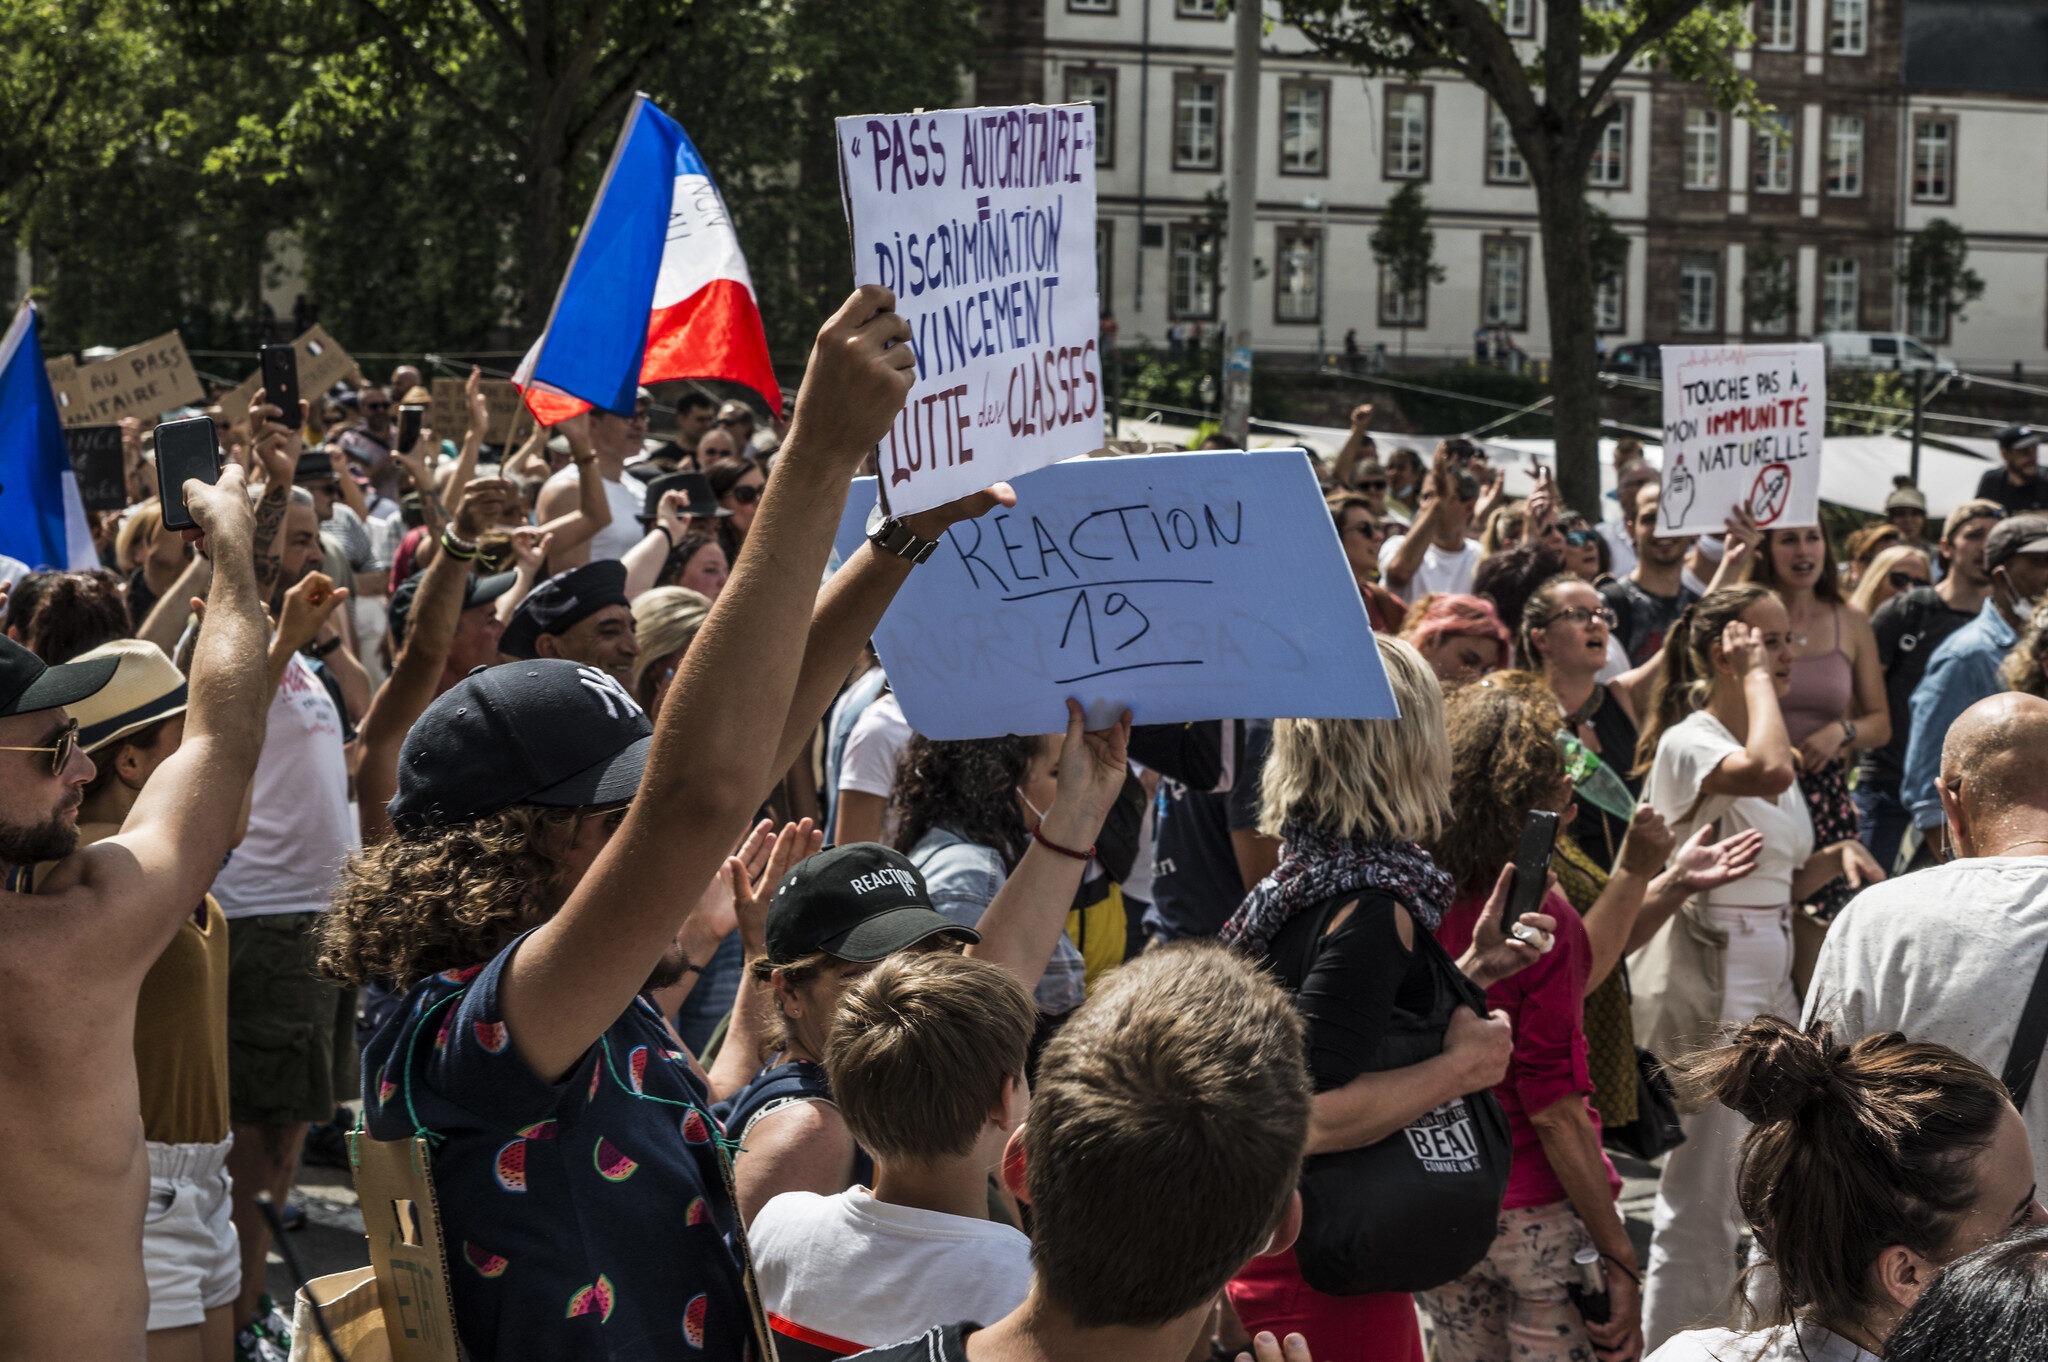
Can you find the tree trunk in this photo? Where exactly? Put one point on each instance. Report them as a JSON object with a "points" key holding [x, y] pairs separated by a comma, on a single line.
{"points": [[1574, 369]]}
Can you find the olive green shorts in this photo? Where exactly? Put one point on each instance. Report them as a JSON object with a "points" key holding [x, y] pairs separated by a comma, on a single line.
{"points": [[291, 1033]]}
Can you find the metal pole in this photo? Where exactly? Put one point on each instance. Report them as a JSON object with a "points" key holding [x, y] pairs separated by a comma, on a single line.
{"points": [[1244, 204], [1321, 207], [1144, 141], [1919, 414]]}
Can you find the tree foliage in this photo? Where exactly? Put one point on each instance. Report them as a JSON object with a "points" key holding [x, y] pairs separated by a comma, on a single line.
{"points": [[1939, 281], [432, 159], [1769, 291]]}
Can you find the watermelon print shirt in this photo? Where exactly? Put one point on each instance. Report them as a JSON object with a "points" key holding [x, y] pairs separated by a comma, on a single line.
{"points": [[586, 1219]]}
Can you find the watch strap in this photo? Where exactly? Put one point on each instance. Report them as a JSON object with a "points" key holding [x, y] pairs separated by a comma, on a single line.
{"points": [[892, 536]]}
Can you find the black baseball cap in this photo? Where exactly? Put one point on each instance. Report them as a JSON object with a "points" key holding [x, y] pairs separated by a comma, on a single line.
{"points": [[562, 602], [313, 466], [696, 486], [2013, 536], [2018, 437], [859, 902], [545, 731], [475, 591], [27, 683]]}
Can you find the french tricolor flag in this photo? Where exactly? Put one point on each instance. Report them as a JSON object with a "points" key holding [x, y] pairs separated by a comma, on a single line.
{"points": [[657, 288]]}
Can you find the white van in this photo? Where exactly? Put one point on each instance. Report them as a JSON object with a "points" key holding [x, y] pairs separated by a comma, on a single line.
{"points": [[1882, 350]]}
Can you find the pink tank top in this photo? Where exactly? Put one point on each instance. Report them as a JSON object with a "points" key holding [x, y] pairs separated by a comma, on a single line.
{"points": [[1822, 687]]}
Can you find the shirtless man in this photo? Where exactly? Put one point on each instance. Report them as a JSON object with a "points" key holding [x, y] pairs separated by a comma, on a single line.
{"points": [[75, 945]]}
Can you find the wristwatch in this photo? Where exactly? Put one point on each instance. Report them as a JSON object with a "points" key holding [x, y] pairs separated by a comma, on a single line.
{"points": [[892, 536]]}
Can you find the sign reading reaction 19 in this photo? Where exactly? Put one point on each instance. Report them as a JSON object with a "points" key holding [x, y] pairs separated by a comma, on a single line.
{"points": [[982, 221]]}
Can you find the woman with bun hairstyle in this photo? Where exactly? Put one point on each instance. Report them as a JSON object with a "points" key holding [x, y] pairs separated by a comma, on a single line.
{"points": [[1714, 750], [1991, 1306], [1867, 1169]]}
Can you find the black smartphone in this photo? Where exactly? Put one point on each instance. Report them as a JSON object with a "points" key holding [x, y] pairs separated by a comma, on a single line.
{"points": [[1532, 867], [185, 449], [410, 415], [280, 365]]}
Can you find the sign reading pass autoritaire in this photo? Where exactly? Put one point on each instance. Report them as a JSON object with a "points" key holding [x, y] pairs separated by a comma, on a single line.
{"points": [[982, 221], [1742, 428]]}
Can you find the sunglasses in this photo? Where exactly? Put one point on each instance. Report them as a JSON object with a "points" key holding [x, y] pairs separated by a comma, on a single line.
{"points": [[1581, 615], [1578, 539], [376, 406], [1904, 581], [60, 751], [746, 494], [1373, 485]]}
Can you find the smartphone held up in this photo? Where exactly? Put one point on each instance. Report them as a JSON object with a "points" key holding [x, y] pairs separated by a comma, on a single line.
{"points": [[185, 450], [1532, 870]]}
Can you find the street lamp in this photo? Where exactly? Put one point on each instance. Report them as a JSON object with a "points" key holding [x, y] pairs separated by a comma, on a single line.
{"points": [[1315, 204]]}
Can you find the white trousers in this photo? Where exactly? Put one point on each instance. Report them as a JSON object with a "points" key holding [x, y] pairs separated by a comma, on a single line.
{"points": [[1694, 1233]]}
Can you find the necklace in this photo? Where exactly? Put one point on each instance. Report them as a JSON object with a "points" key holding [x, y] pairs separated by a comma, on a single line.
{"points": [[2007, 849]]}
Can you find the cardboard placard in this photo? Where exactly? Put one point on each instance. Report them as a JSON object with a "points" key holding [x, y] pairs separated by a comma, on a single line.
{"points": [[61, 369], [1145, 582], [395, 1188], [1742, 427], [983, 223], [322, 364], [143, 380], [96, 459], [448, 416]]}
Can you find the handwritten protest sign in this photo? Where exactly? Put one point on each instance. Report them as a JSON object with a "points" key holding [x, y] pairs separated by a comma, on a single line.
{"points": [[96, 459], [448, 416], [983, 222], [61, 369], [1742, 427], [1184, 586], [142, 380], [322, 364]]}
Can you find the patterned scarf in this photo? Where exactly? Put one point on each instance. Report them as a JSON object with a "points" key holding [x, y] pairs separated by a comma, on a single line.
{"points": [[1316, 867]]}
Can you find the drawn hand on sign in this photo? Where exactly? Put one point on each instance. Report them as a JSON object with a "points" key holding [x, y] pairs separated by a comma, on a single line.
{"points": [[1679, 490], [1770, 493]]}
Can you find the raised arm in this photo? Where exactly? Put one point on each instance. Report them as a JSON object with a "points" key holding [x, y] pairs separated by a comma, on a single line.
{"points": [[1406, 561], [1764, 766], [573, 515], [645, 559], [714, 750], [1354, 445], [179, 831], [1024, 920]]}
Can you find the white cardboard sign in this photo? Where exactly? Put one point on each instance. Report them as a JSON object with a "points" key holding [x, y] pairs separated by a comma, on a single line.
{"points": [[1742, 427], [983, 223]]}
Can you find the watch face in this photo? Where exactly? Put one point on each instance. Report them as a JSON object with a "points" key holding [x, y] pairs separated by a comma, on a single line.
{"points": [[875, 517]]}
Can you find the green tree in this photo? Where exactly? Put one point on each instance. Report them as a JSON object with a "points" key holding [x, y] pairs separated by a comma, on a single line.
{"points": [[1769, 291], [1556, 100], [1606, 245], [1405, 249], [1939, 282]]}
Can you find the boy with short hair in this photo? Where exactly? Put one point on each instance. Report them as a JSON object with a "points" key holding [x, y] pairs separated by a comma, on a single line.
{"points": [[1162, 1150], [926, 1061]]}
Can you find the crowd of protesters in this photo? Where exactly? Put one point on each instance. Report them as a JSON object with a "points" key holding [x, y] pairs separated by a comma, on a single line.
{"points": [[538, 800]]}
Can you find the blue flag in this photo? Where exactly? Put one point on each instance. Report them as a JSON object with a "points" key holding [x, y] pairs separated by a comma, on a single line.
{"points": [[42, 519]]}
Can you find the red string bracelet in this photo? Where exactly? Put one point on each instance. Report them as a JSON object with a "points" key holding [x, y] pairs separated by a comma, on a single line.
{"points": [[1038, 836]]}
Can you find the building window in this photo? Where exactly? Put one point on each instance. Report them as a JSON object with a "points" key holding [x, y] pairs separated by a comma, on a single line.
{"points": [[1770, 155], [1777, 25], [1934, 160], [1928, 319], [1702, 149], [1775, 281], [1402, 309], [1297, 283], [1097, 88], [1198, 9], [1699, 287], [1504, 282], [1849, 27], [1194, 274], [1105, 257], [1518, 18], [1504, 164], [1304, 116], [1197, 122], [1407, 134], [1610, 302], [1091, 6], [1840, 291], [1844, 173], [1610, 154]]}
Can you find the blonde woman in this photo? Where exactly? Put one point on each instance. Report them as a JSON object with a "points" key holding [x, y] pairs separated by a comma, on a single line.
{"points": [[664, 621], [1344, 922], [1714, 749], [1895, 571]]}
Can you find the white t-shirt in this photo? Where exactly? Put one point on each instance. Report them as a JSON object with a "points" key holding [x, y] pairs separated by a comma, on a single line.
{"points": [[300, 826], [624, 532], [867, 1273], [1688, 752], [1805, 1343], [1441, 570], [1944, 955], [872, 752], [1621, 549]]}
